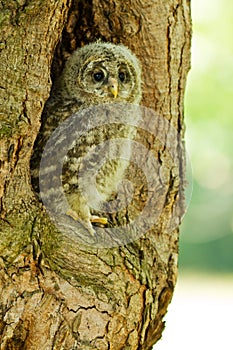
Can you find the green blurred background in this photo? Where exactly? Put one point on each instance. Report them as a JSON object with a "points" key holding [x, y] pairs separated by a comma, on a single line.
{"points": [[206, 243], [200, 315]]}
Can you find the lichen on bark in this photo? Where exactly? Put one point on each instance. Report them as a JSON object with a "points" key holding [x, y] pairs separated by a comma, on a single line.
{"points": [[55, 293]]}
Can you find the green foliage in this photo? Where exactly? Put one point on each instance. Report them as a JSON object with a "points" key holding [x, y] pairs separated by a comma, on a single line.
{"points": [[207, 231]]}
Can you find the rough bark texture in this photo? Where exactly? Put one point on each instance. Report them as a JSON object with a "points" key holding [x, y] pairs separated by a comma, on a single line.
{"points": [[55, 293]]}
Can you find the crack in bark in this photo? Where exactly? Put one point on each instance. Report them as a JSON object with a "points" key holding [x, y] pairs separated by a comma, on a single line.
{"points": [[131, 286]]}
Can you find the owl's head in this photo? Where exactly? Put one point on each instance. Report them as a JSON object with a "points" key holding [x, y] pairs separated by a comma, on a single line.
{"points": [[102, 72]]}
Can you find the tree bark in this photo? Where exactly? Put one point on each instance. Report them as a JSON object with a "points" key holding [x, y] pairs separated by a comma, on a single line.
{"points": [[56, 293]]}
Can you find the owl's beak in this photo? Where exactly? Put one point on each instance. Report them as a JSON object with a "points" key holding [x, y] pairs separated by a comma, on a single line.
{"points": [[113, 87]]}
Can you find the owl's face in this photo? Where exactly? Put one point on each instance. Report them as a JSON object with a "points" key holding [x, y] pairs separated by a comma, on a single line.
{"points": [[108, 79], [103, 72]]}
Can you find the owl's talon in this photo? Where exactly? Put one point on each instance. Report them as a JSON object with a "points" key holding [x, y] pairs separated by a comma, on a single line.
{"points": [[99, 220]]}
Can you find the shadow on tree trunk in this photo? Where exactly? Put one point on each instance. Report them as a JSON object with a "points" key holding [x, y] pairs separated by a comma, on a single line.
{"points": [[55, 292]]}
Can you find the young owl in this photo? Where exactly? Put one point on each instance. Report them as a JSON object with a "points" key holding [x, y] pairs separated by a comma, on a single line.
{"points": [[107, 76]]}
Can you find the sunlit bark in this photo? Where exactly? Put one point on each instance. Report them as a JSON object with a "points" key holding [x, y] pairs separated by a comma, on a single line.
{"points": [[55, 293]]}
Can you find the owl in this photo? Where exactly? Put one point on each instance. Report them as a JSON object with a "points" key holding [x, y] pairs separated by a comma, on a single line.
{"points": [[98, 80]]}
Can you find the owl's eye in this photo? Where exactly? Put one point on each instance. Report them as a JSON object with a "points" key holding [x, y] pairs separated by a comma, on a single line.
{"points": [[98, 76], [121, 76]]}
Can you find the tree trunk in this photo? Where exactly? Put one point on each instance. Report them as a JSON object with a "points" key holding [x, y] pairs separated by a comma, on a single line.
{"points": [[55, 292]]}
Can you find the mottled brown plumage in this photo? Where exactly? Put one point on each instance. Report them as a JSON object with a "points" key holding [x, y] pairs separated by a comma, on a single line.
{"points": [[98, 74]]}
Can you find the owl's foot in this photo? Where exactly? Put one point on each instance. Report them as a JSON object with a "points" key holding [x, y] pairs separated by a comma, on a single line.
{"points": [[87, 224], [99, 220]]}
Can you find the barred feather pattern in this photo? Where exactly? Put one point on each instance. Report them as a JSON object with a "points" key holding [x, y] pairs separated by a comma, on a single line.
{"points": [[82, 134]]}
